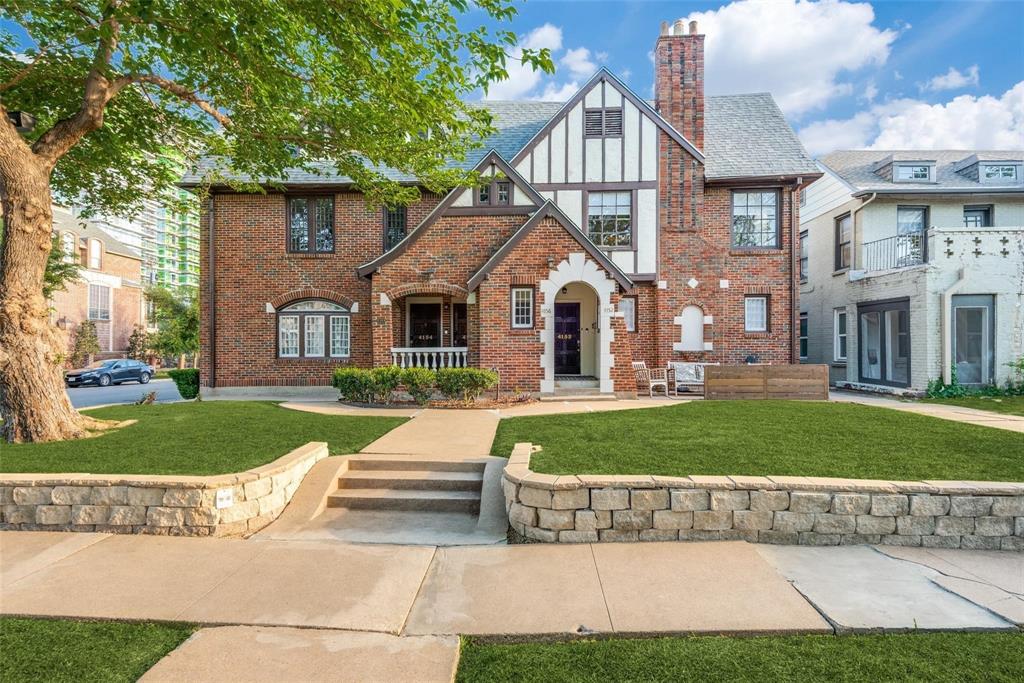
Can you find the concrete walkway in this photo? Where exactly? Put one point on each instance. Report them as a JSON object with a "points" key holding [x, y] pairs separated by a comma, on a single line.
{"points": [[984, 418], [301, 610]]}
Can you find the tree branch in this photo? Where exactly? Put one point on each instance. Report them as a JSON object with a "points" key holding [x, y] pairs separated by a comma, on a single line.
{"points": [[179, 91]]}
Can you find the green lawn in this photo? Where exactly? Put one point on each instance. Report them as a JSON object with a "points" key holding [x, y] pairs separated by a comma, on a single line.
{"points": [[982, 657], [49, 651], [212, 437], [1009, 405], [766, 438]]}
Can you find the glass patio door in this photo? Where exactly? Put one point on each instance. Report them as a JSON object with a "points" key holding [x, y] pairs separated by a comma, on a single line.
{"points": [[973, 338], [884, 343]]}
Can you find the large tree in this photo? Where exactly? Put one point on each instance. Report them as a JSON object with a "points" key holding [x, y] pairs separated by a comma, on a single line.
{"points": [[177, 320], [263, 85]]}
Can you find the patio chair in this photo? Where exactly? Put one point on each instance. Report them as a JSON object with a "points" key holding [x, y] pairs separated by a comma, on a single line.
{"points": [[648, 379], [688, 377]]}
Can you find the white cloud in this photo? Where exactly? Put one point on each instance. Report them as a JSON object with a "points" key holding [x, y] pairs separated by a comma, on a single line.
{"points": [[626, 74], [556, 93], [522, 78], [953, 80], [870, 92], [965, 122], [578, 62], [797, 50]]}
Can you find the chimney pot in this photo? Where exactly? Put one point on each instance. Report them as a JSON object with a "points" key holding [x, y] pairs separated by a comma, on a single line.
{"points": [[664, 28], [679, 28], [693, 28]]}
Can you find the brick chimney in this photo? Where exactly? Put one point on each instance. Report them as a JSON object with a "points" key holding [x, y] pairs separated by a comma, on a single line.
{"points": [[679, 79]]}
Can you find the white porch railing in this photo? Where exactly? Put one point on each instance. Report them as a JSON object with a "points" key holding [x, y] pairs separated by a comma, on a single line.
{"points": [[433, 357]]}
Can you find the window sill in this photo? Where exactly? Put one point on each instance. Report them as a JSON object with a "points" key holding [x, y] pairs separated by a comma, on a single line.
{"points": [[841, 271], [756, 251], [304, 255], [838, 363], [756, 335], [625, 248], [314, 359], [522, 331]]}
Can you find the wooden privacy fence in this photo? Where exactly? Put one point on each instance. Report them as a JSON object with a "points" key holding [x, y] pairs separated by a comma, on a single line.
{"points": [[727, 382]]}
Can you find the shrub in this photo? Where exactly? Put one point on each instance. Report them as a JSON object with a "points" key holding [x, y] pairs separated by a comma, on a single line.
{"points": [[465, 384], [385, 380], [419, 382], [138, 344], [187, 381], [354, 384], [86, 344]]}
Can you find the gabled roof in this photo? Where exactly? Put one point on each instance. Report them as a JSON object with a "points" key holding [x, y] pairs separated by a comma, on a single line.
{"points": [[858, 169], [492, 157], [549, 210], [604, 75], [65, 221]]}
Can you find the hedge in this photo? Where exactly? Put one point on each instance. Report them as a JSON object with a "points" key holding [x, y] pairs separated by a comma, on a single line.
{"points": [[379, 384], [187, 381]]}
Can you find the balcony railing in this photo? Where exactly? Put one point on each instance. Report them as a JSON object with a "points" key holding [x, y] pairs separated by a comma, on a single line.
{"points": [[898, 251], [430, 357]]}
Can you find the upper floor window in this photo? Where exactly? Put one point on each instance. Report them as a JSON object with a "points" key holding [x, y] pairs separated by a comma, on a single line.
{"points": [[69, 246], [603, 123], [999, 172], [394, 226], [95, 254], [755, 219], [610, 219], [311, 225], [313, 329], [844, 240], [496, 193], [913, 172], [99, 302], [977, 216], [803, 256]]}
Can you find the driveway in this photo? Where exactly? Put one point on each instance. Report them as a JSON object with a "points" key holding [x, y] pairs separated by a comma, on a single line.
{"points": [[83, 397]]}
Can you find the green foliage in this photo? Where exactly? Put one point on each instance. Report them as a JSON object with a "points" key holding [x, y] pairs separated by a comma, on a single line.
{"points": [[59, 270], [85, 345], [187, 381], [260, 84], [1014, 386], [385, 380], [177, 322], [465, 384], [354, 384], [138, 344], [419, 382]]}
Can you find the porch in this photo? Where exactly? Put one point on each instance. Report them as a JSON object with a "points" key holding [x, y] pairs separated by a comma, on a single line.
{"points": [[430, 330]]}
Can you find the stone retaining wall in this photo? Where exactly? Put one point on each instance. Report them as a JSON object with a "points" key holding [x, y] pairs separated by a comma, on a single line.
{"points": [[782, 510], [156, 504]]}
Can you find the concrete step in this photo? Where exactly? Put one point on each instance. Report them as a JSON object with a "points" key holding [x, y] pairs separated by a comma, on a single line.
{"points": [[405, 499], [434, 480], [392, 463]]}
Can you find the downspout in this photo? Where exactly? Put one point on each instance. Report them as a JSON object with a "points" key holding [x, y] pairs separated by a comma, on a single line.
{"points": [[212, 296], [947, 325], [794, 275], [855, 260]]}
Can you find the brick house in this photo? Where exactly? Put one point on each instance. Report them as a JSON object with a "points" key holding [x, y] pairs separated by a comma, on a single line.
{"points": [[108, 290], [614, 229]]}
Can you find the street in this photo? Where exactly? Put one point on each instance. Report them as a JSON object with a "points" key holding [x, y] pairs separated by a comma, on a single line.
{"points": [[83, 397]]}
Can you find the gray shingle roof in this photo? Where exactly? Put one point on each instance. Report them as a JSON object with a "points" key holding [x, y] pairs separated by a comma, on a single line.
{"points": [[857, 167], [745, 135], [65, 221]]}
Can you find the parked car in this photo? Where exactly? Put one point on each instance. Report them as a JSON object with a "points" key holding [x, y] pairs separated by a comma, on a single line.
{"points": [[107, 372]]}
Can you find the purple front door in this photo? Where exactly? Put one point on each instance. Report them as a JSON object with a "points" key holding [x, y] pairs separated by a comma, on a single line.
{"points": [[567, 339]]}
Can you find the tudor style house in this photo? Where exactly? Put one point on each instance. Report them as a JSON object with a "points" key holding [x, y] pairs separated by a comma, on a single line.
{"points": [[913, 265], [613, 230]]}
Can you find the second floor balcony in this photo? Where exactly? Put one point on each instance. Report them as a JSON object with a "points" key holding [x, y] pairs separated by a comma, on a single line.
{"points": [[898, 251], [937, 245]]}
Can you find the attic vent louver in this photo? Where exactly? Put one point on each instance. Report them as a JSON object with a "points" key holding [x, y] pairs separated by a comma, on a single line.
{"points": [[613, 122], [593, 125]]}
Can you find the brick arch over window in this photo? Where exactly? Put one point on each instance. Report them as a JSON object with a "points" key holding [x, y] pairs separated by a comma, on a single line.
{"points": [[311, 293], [411, 288]]}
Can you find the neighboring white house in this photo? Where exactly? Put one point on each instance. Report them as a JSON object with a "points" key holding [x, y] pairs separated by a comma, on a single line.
{"points": [[913, 263]]}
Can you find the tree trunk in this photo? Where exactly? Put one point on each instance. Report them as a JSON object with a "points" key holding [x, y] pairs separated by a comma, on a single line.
{"points": [[181, 361], [34, 405]]}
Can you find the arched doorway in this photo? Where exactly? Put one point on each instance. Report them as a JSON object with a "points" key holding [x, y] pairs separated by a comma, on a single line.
{"points": [[577, 332]]}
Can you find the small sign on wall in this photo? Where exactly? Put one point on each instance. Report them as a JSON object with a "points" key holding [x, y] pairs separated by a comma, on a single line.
{"points": [[225, 498]]}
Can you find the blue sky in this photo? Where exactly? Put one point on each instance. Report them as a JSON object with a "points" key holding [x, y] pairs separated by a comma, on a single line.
{"points": [[847, 74]]}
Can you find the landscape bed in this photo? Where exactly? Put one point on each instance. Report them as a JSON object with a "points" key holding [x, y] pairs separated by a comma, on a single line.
{"points": [[1007, 405], [195, 438], [760, 438], [987, 657]]}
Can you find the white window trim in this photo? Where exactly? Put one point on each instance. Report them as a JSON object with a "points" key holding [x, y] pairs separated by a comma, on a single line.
{"points": [[913, 164], [99, 254], [626, 318], [89, 302], [305, 336], [348, 336], [298, 337], [746, 312], [512, 308], [835, 335]]}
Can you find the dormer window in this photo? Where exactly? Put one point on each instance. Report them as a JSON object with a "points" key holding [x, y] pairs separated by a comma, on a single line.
{"points": [[999, 172], [603, 123], [496, 193], [913, 173], [95, 254]]}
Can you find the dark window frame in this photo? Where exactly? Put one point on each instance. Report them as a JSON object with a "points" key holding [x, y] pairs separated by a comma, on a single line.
{"points": [[632, 246], [805, 263], [803, 336], [493, 193], [924, 227], [386, 214], [881, 307], [603, 111], [767, 313], [512, 307], [732, 219], [837, 256], [988, 210], [310, 224]]}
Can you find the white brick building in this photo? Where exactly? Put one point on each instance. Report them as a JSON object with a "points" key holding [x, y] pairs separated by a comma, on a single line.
{"points": [[914, 265]]}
